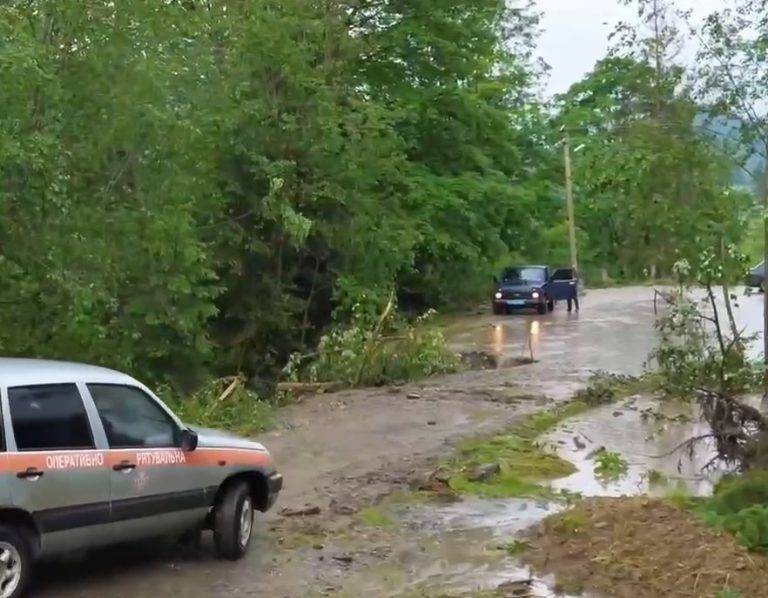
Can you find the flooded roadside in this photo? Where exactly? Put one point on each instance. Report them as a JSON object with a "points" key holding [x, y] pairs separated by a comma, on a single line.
{"points": [[470, 547], [647, 433]]}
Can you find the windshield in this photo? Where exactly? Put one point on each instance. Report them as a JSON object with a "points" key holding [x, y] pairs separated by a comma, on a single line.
{"points": [[524, 274]]}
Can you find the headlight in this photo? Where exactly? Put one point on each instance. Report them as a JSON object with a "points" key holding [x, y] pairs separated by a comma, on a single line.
{"points": [[535, 295], [498, 295]]}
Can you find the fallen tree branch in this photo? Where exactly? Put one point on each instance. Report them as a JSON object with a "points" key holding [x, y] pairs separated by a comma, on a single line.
{"points": [[309, 387]]}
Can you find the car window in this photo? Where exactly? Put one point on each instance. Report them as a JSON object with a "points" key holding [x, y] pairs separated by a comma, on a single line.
{"points": [[49, 417], [131, 418], [524, 274], [564, 274]]}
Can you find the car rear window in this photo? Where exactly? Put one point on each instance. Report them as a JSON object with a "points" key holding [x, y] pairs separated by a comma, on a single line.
{"points": [[49, 417], [564, 274]]}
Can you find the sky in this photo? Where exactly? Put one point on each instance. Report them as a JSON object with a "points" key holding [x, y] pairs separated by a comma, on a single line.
{"points": [[575, 34]]}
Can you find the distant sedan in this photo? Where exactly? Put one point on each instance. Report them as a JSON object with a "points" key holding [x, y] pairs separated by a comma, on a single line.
{"points": [[756, 276]]}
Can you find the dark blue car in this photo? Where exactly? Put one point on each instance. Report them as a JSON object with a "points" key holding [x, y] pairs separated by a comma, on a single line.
{"points": [[756, 276], [532, 287]]}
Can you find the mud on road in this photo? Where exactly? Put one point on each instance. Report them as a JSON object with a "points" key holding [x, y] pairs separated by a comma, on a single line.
{"points": [[341, 453]]}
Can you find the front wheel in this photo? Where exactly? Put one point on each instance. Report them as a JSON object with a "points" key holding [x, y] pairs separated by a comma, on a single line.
{"points": [[15, 562], [542, 308], [499, 310], [551, 305], [233, 522]]}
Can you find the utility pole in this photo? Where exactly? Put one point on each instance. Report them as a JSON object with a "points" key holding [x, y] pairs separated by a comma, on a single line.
{"points": [[569, 201], [765, 277]]}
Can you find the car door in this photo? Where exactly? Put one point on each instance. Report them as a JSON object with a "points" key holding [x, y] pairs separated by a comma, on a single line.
{"points": [[152, 490], [562, 284], [57, 472]]}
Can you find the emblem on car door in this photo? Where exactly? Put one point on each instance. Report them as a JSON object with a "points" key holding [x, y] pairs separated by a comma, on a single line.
{"points": [[141, 480]]}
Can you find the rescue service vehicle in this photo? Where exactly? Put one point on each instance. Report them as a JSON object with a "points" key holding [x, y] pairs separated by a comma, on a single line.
{"points": [[89, 457]]}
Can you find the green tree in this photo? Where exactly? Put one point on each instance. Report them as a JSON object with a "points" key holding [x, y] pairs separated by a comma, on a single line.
{"points": [[654, 187], [733, 77]]}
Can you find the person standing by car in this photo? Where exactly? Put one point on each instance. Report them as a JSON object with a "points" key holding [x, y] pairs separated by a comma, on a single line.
{"points": [[573, 292]]}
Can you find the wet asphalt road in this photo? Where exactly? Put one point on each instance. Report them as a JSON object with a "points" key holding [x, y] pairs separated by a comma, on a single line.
{"points": [[613, 331]]}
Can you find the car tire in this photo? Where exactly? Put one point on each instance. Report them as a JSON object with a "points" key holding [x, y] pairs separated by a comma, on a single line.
{"points": [[551, 305], [15, 561], [498, 310], [542, 308], [233, 522]]}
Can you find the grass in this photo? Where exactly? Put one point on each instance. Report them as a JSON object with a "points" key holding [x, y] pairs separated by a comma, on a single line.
{"points": [[567, 524], [375, 517], [657, 478], [610, 465], [680, 496], [739, 505], [523, 463], [515, 547]]}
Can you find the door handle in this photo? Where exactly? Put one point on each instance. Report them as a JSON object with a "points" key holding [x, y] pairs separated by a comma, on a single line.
{"points": [[30, 473], [125, 466]]}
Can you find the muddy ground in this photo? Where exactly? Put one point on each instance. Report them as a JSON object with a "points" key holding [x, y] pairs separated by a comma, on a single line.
{"points": [[644, 548], [343, 452]]}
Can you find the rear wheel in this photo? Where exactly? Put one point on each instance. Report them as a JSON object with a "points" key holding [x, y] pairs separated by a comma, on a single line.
{"points": [[15, 561], [233, 522]]}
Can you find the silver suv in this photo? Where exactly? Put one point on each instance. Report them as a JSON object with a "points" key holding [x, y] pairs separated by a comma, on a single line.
{"points": [[90, 457]]}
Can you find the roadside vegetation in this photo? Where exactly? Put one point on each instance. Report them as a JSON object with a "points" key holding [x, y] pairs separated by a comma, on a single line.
{"points": [[225, 404], [375, 349], [188, 193]]}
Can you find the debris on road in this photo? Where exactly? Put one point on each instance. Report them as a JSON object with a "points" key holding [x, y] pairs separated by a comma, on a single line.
{"points": [[304, 511], [344, 559], [342, 508], [483, 473], [479, 360]]}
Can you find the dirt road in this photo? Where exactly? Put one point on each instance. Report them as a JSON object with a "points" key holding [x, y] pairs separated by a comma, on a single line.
{"points": [[343, 451]]}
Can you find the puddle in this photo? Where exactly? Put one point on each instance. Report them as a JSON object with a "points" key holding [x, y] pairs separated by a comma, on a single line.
{"points": [[459, 549], [646, 441]]}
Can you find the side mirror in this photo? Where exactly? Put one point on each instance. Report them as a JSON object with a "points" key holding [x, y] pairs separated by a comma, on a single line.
{"points": [[188, 440]]}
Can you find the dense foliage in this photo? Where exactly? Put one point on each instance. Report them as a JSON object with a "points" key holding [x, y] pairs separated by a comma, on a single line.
{"points": [[192, 187], [195, 186], [656, 185]]}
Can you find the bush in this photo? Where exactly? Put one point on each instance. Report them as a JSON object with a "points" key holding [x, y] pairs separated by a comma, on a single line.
{"points": [[365, 354], [700, 345], [740, 506], [240, 411], [738, 492], [610, 465]]}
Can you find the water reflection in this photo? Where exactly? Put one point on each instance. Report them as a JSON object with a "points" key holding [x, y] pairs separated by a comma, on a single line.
{"points": [[644, 432]]}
